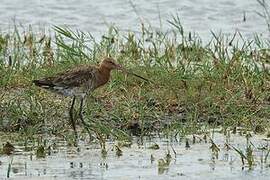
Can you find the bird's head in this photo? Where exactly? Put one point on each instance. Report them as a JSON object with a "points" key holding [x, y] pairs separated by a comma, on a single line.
{"points": [[110, 64]]}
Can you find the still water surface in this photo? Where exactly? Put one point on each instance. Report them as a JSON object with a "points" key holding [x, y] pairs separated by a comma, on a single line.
{"points": [[195, 162], [94, 16]]}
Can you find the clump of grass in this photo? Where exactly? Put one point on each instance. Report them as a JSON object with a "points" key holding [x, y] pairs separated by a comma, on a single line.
{"points": [[124, 144], [222, 83], [265, 13], [8, 148], [152, 158], [164, 163], [187, 144], [215, 149], [155, 146], [248, 157], [9, 168], [118, 151], [40, 152]]}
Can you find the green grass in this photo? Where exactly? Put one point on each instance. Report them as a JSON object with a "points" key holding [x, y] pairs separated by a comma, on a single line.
{"points": [[224, 82]]}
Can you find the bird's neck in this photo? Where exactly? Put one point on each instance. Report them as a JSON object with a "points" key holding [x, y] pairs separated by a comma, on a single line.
{"points": [[104, 75]]}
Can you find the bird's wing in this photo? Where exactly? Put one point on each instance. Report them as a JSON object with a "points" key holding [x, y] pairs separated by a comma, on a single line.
{"points": [[71, 78], [75, 77]]}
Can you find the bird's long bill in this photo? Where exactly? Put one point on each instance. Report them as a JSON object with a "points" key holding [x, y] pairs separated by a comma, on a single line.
{"points": [[124, 70]]}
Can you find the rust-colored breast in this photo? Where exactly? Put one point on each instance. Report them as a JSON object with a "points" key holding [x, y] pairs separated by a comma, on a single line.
{"points": [[103, 76]]}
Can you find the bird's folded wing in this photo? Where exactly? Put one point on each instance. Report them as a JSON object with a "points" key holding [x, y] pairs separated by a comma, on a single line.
{"points": [[72, 78], [75, 78]]}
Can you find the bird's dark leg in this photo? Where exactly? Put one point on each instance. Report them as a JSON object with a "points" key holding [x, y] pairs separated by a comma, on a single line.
{"points": [[72, 117], [86, 126]]}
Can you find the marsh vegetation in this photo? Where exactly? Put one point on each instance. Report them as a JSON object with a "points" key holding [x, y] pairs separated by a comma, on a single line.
{"points": [[196, 88]]}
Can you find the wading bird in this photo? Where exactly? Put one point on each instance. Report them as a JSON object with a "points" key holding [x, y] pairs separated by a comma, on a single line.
{"points": [[79, 82]]}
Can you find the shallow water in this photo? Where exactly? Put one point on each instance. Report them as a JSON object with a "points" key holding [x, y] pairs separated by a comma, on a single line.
{"points": [[196, 162], [94, 16]]}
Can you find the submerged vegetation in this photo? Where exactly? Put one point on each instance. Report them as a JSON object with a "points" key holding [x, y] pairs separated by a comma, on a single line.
{"points": [[223, 83]]}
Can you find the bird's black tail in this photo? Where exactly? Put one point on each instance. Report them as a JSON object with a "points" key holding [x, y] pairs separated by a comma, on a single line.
{"points": [[43, 83]]}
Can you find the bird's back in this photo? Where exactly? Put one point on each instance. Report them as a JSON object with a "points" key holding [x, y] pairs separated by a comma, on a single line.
{"points": [[81, 79]]}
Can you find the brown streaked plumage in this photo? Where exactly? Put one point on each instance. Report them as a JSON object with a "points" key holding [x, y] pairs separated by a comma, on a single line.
{"points": [[78, 82]]}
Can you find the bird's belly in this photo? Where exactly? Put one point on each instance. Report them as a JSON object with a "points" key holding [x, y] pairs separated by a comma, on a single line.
{"points": [[71, 91]]}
